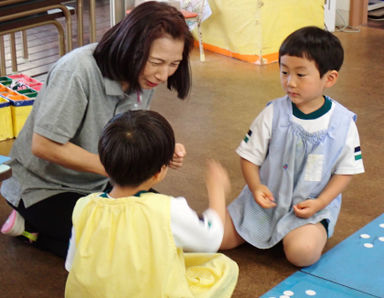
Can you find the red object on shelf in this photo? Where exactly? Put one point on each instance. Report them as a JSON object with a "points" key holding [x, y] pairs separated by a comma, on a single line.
{"points": [[186, 14], [32, 83]]}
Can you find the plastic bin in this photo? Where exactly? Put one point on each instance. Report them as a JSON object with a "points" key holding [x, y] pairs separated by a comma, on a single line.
{"points": [[5, 81], [21, 106], [17, 93], [6, 131], [28, 92], [24, 79]]}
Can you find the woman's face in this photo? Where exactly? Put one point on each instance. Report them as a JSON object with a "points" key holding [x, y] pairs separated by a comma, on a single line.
{"points": [[164, 58]]}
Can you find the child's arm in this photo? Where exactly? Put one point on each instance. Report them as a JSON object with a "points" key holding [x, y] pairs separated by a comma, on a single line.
{"points": [[218, 186], [192, 232], [205, 233], [263, 196], [334, 187]]}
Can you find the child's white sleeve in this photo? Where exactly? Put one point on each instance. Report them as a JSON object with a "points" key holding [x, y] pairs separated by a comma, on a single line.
{"points": [[193, 233], [350, 161], [71, 251], [254, 146]]}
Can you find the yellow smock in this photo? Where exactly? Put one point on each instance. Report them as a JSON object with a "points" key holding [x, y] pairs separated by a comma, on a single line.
{"points": [[125, 248]]}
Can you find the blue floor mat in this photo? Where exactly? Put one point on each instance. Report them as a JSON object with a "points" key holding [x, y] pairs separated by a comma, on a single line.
{"points": [[357, 262], [302, 284], [353, 268]]}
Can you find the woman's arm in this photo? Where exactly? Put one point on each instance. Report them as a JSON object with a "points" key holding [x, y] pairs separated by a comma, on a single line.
{"points": [[67, 155]]}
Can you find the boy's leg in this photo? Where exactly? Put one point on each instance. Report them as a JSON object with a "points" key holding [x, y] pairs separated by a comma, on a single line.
{"points": [[231, 238], [303, 246]]}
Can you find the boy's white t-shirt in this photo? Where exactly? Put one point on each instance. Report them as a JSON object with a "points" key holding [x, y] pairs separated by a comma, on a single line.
{"points": [[190, 232], [256, 148]]}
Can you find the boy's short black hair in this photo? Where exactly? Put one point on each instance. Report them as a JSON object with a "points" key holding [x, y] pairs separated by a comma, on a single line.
{"points": [[124, 49], [315, 44], [135, 145]]}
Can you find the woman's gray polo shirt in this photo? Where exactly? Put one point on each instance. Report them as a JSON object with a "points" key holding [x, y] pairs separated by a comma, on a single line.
{"points": [[74, 105]]}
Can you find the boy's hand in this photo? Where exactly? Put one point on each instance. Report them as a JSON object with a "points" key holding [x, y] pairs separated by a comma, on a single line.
{"points": [[307, 208], [217, 176], [178, 156], [264, 197]]}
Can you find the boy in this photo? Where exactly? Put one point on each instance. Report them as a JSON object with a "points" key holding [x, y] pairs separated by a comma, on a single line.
{"points": [[129, 242], [298, 156]]}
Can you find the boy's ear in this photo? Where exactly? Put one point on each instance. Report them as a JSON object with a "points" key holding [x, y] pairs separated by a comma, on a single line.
{"points": [[157, 175], [160, 174], [331, 78]]}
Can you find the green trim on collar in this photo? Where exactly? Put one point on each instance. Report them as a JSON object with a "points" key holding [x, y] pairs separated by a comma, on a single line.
{"points": [[138, 194], [315, 114]]}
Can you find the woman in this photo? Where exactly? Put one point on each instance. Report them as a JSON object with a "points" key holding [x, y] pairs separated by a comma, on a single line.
{"points": [[54, 159]]}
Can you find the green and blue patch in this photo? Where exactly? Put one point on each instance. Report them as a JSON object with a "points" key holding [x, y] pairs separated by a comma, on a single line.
{"points": [[247, 136], [357, 153]]}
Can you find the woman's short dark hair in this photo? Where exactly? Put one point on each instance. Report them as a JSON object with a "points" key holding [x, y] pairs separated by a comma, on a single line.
{"points": [[124, 49], [135, 145], [315, 44]]}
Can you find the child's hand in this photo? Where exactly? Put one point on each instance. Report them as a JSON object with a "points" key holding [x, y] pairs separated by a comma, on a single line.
{"points": [[307, 208], [178, 156], [217, 177], [264, 197]]}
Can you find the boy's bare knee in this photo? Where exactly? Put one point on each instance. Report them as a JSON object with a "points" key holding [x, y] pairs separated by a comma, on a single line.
{"points": [[304, 245], [302, 254]]}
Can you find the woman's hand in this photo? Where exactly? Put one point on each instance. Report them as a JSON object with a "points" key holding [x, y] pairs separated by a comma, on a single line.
{"points": [[178, 156]]}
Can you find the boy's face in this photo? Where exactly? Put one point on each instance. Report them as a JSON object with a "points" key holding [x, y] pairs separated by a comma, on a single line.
{"points": [[301, 80]]}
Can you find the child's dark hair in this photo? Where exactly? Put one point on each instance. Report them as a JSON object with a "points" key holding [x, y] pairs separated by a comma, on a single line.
{"points": [[135, 145], [123, 50], [315, 44]]}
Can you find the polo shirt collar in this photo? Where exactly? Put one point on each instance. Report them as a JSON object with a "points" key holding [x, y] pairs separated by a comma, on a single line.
{"points": [[112, 87]]}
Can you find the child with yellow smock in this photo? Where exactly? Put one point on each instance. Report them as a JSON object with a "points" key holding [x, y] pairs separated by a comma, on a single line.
{"points": [[129, 242]]}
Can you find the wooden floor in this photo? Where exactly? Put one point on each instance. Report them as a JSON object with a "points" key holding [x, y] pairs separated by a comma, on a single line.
{"points": [[43, 45], [226, 95]]}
